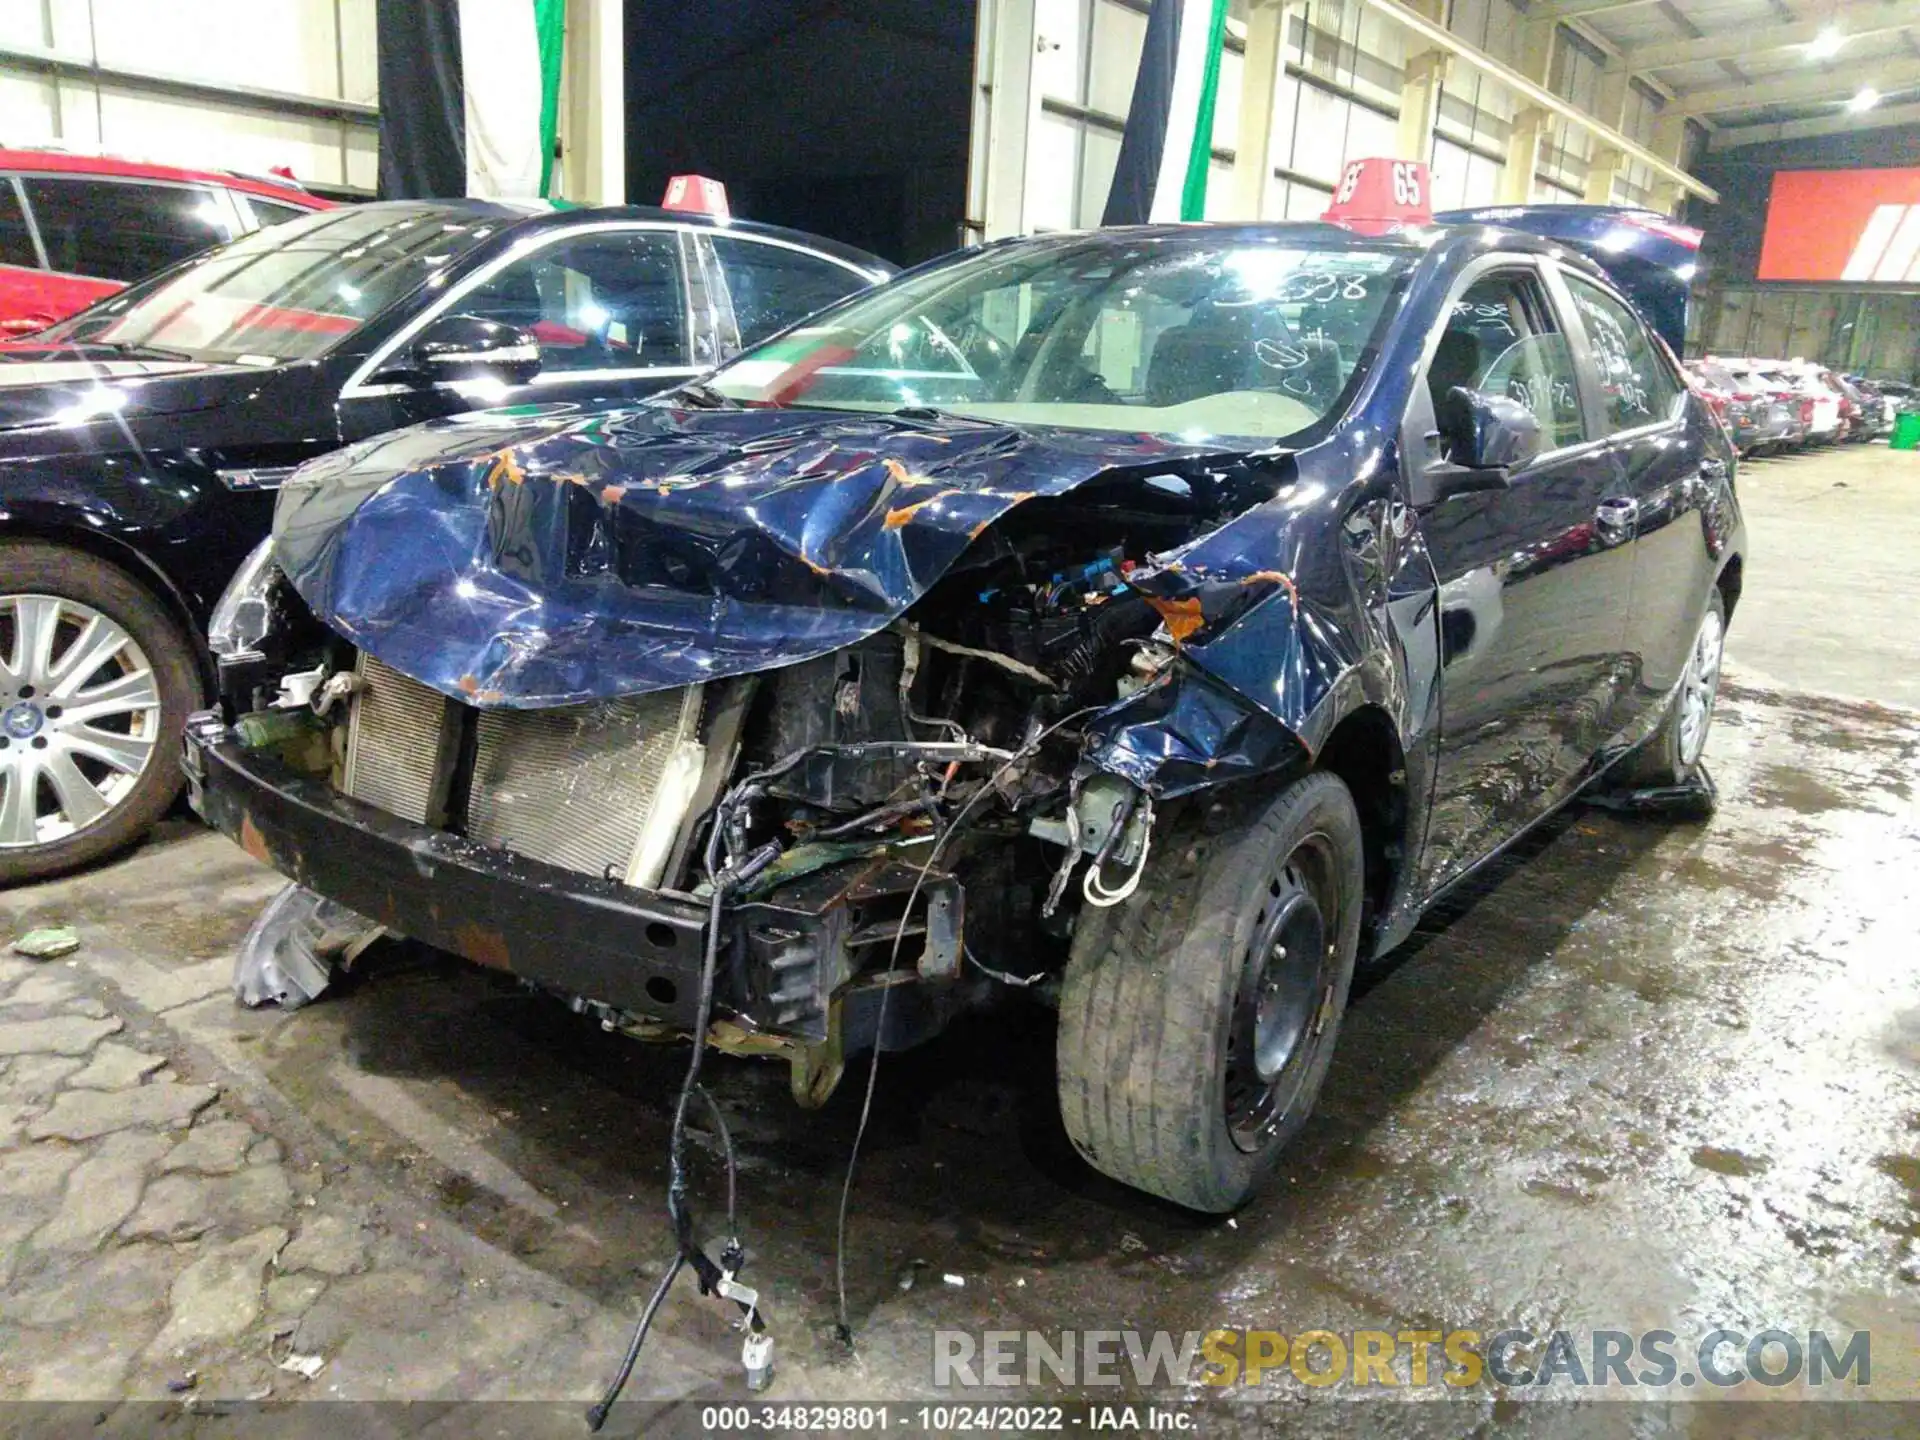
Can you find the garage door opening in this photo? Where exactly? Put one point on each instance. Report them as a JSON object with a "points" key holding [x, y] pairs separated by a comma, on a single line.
{"points": [[847, 118]]}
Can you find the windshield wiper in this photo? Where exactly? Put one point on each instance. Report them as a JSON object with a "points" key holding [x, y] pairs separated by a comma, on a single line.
{"points": [[132, 352], [925, 417], [698, 395]]}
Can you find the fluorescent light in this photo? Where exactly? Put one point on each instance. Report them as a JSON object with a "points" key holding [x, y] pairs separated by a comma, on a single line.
{"points": [[1826, 44], [1865, 98]]}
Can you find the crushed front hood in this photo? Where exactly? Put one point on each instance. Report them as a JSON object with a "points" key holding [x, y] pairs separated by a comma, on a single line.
{"points": [[542, 557]]}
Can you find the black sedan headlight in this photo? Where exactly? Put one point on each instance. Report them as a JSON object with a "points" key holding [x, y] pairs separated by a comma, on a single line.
{"points": [[244, 616]]}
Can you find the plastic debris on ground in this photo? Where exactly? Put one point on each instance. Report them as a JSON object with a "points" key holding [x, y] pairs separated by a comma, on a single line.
{"points": [[49, 943], [1694, 800], [305, 1366]]}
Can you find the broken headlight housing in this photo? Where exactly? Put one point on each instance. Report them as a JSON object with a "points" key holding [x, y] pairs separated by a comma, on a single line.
{"points": [[244, 616]]}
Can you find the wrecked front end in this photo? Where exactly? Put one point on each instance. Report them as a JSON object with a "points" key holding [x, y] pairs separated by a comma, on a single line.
{"points": [[914, 790], [801, 705]]}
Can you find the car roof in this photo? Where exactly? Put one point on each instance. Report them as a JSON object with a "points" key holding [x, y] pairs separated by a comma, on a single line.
{"points": [[1324, 234], [534, 215], [70, 162]]}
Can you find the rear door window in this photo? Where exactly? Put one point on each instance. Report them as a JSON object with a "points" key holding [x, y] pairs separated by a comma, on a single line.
{"points": [[774, 285], [1637, 384], [120, 229]]}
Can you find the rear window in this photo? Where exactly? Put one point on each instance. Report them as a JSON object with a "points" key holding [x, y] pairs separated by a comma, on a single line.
{"points": [[772, 285], [270, 212], [123, 229], [16, 243]]}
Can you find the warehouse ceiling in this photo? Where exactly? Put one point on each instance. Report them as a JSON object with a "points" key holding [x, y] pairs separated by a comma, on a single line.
{"points": [[1753, 70]]}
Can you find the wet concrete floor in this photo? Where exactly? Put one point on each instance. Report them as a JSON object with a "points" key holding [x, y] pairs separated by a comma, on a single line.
{"points": [[1646, 1076]]}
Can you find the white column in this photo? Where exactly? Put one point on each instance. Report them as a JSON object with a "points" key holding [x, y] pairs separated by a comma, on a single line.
{"points": [[593, 130], [1523, 156], [1008, 39], [1261, 76], [1426, 75]]}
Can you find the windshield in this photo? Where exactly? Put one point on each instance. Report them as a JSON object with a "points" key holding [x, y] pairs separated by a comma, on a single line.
{"points": [[290, 292], [1191, 337]]}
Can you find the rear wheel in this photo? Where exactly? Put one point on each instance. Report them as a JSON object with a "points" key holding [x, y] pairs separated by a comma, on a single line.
{"points": [[96, 681], [1197, 1018], [1671, 755]]}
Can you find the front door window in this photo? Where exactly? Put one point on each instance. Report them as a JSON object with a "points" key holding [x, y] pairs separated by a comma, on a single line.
{"points": [[606, 300]]}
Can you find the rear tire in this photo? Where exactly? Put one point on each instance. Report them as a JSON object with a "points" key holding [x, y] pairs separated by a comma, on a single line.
{"points": [[1198, 1017], [89, 747], [1671, 755]]}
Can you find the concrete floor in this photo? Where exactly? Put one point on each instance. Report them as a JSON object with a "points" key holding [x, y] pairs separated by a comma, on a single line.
{"points": [[1646, 1076], [1834, 547]]}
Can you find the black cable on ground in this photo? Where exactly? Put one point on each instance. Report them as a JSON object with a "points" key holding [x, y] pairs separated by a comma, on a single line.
{"points": [[687, 1249], [597, 1416], [726, 1146]]}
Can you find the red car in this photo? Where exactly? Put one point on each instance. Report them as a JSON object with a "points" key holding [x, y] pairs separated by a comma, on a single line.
{"points": [[75, 228]]}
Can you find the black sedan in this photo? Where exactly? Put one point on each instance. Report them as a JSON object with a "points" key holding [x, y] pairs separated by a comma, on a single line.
{"points": [[1157, 619], [141, 441]]}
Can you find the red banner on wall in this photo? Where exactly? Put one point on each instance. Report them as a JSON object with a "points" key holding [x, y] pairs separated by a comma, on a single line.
{"points": [[1853, 225]]}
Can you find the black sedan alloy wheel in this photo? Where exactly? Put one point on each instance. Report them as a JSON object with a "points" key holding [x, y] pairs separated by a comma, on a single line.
{"points": [[96, 681]]}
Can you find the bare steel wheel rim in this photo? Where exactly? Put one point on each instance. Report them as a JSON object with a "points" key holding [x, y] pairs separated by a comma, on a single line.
{"points": [[1285, 998], [1699, 688], [79, 718]]}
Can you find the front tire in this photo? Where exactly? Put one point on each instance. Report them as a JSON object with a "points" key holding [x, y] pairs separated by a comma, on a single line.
{"points": [[1197, 1018], [96, 681]]}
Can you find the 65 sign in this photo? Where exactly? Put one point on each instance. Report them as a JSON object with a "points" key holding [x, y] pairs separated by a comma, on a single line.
{"points": [[1381, 192]]}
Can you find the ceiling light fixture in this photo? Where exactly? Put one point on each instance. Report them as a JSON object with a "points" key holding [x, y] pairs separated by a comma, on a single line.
{"points": [[1826, 44], [1865, 98]]}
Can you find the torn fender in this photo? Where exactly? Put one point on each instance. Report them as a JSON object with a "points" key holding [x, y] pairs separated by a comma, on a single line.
{"points": [[1187, 732], [1301, 611], [548, 557]]}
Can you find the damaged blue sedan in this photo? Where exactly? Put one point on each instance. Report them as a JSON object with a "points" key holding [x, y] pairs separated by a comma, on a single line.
{"points": [[1155, 620]]}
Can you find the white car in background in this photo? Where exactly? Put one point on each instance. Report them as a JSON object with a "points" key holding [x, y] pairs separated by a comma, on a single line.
{"points": [[1811, 380]]}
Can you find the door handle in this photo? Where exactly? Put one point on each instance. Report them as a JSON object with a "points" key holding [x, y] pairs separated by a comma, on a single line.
{"points": [[1712, 469], [1615, 518]]}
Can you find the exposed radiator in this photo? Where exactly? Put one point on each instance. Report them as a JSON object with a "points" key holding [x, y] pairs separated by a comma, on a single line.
{"points": [[397, 741], [600, 788]]}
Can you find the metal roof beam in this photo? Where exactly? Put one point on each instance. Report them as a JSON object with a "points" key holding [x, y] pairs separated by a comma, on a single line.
{"points": [[1574, 9], [1810, 89], [1840, 124], [180, 87], [1529, 93], [1858, 22]]}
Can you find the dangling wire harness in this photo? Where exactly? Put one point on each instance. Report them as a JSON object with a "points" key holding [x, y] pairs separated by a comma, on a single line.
{"points": [[1032, 744], [1093, 886], [714, 1277], [729, 829]]}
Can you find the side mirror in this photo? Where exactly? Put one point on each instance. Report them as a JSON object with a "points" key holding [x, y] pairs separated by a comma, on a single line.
{"points": [[466, 347], [1482, 437]]}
